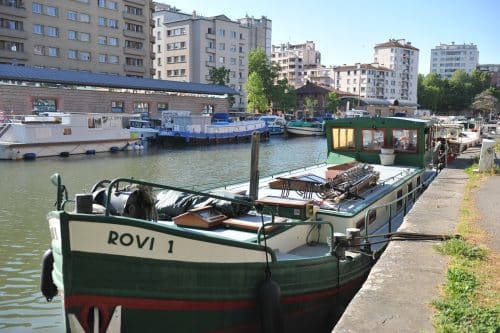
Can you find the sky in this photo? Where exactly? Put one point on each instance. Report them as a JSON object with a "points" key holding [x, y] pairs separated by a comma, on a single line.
{"points": [[345, 31]]}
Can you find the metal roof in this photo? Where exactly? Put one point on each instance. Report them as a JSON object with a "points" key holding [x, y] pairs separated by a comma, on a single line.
{"points": [[34, 74]]}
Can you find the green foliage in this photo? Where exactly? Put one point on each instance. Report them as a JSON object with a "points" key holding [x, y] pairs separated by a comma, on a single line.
{"points": [[445, 96], [219, 75], [256, 99], [333, 102], [284, 96], [460, 248], [259, 63], [310, 105]]}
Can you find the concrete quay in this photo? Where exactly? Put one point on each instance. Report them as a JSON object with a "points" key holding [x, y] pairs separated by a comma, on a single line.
{"points": [[397, 295]]}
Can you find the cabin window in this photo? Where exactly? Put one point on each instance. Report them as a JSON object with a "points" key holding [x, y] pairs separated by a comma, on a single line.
{"points": [[405, 140], [117, 106], [419, 189], [94, 122], [410, 189], [399, 203], [343, 139], [162, 107], [372, 216], [373, 139], [44, 105]]}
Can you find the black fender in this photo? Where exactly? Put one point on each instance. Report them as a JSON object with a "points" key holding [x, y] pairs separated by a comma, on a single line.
{"points": [[47, 286]]}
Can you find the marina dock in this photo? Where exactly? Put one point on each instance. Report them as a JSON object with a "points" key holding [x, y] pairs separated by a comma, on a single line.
{"points": [[398, 293]]}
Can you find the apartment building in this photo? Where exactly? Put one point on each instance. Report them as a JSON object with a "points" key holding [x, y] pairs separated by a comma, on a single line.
{"points": [[448, 58], [259, 33], [189, 45], [299, 62], [101, 36], [364, 80], [402, 58], [494, 70]]}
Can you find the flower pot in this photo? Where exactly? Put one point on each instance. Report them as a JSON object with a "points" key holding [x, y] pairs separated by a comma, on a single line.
{"points": [[387, 159], [387, 150]]}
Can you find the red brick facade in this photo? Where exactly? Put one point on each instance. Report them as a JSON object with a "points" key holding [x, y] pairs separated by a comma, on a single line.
{"points": [[19, 100]]}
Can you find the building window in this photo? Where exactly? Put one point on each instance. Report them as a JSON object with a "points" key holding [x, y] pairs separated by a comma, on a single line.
{"points": [[84, 37], [102, 40], [38, 50], [85, 18], [37, 8], [38, 29], [70, 15], [141, 107], [53, 52], [222, 46], [84, 56], [117, 106], [114, 59], [52, 31], [52, 11], [102, 58], [161, 106], [113, 41], [222, 33], [101, 21], [113, 23], [72, 54], [222, 60], [44, 105], [158, 61], [233, 34]]}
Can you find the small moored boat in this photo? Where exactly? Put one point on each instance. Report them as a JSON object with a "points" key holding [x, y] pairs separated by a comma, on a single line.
{"points": [[305, 128]]}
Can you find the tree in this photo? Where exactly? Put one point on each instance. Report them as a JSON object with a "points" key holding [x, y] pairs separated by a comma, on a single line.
{"points": [[332, 102], [309, 106], [256, 99], [259, 63], [219, 75], [485, 102], [284, 96]]}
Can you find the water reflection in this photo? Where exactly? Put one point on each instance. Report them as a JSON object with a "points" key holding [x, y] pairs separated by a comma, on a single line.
{"points": [[26, 196]]}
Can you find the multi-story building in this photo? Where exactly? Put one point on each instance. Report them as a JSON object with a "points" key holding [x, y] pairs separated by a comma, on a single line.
{"points": [[364, 80], [494, 70], [299, 63], [401, 57], [102, 36], [259, 33], [189, 45], [448, 58]]}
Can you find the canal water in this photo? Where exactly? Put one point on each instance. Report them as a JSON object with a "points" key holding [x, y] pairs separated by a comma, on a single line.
{"points": [[27, 195]]}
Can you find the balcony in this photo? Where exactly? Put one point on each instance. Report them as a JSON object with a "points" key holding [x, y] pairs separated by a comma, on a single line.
{"points": [[13, 33], [152, 23], [135, 69], [152, 55], [210, 50], [210, 63], [152, 72], [13, 55], [135, 52], [137, 2], [210, 36], [13, 11], [133, 17], [134, 34]]}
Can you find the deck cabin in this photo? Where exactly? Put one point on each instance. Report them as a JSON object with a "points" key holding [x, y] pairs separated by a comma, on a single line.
{"points": [[363, 139]]}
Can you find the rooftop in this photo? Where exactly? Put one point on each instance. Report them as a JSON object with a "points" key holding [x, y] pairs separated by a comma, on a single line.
{"points": [[35, 74]]}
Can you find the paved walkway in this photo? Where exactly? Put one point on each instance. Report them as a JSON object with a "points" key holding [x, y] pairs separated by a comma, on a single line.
{"points": [[396, 296]]}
